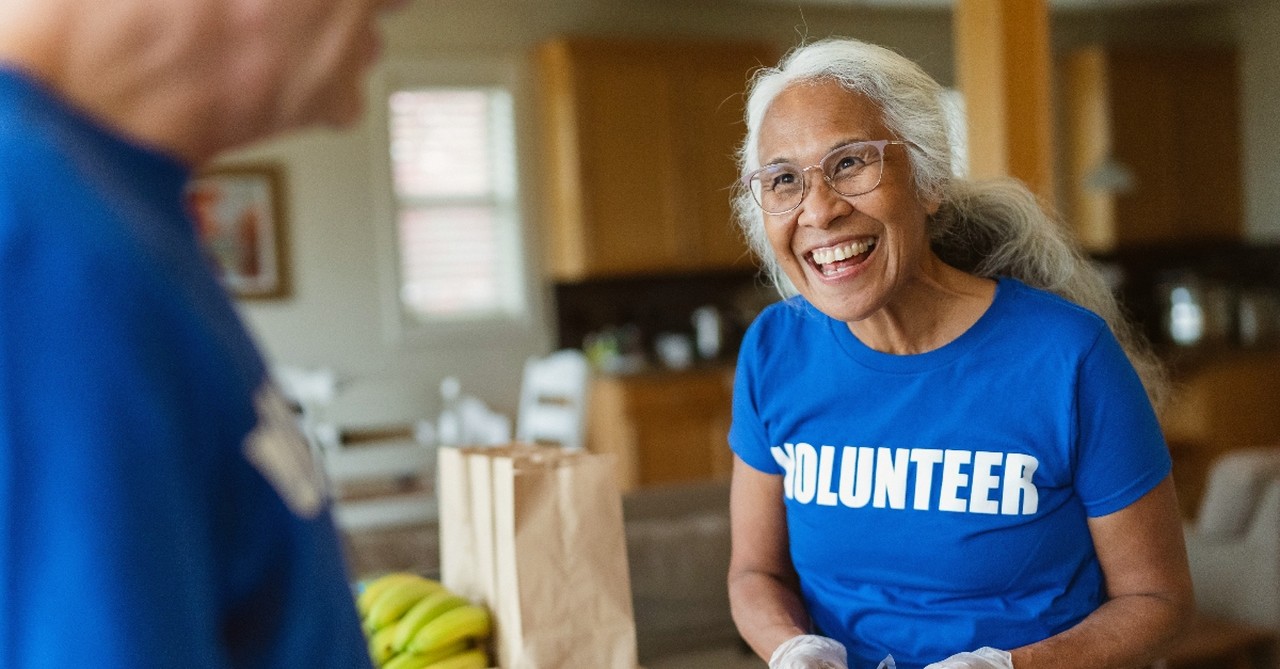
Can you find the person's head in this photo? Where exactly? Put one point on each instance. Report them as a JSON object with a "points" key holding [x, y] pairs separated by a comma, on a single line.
{"points": [[894, 98], [308, 57], [199, 76]]}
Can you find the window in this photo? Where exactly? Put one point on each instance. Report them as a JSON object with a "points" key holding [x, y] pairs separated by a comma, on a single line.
{"points": [[454, 201]]}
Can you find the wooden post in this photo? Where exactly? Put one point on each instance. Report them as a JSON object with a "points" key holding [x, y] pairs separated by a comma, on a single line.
{"points": [[1003, 69]]}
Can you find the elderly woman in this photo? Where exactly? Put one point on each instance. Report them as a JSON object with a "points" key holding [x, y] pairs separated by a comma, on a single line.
{"points": [[946, 449]]}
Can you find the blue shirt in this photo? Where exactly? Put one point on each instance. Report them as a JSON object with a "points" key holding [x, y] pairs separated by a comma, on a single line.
{"points": [[157, 504], [938, 502]]}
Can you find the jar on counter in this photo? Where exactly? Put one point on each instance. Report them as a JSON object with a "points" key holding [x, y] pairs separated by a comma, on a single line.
{"points": [[1196, 311], [1257, 317]]}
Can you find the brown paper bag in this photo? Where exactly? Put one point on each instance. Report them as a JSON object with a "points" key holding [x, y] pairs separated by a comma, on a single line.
{"points": [[563, 593], [536, 533], [464, 491], [457, 531]]}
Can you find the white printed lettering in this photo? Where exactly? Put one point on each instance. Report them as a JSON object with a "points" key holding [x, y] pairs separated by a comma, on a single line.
{"points": [[984, 482], [826, 462], [806, 477], [879, 476], [891, 479], [953, 480], [856, 493], [1018, 470], [925, 459]]}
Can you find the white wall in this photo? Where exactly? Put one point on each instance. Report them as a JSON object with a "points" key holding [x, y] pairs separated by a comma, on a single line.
{"points": [[1258, 23], [335, 313]]}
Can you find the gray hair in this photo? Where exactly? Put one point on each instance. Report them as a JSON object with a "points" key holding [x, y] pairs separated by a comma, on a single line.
{"points": [[989, 227]]}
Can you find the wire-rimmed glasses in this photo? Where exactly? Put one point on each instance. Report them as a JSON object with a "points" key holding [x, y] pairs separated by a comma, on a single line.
{"points": [[852, 169]]}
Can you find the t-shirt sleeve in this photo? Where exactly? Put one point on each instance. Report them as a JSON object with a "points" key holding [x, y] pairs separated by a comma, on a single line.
{"points": [[1120, 450], [747, 435]]}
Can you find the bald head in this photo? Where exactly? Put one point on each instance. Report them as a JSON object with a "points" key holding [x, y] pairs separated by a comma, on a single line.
{"points": [[196, 77]]}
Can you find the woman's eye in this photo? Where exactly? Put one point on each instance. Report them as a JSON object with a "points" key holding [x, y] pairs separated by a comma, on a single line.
{"points": [[782, 180], [848, 162]]}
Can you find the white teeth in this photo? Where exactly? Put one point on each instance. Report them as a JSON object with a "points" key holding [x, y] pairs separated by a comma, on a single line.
{"points": [[832, 254]]}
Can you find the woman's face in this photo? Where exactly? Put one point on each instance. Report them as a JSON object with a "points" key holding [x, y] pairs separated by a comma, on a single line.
{"points": [[879, 236]]}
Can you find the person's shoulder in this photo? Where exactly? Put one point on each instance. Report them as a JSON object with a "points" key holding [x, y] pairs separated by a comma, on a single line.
{"points": [[786, 320], [786, 315], [1050, 313]]}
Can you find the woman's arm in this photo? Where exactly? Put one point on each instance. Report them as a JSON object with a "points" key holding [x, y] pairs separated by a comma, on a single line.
{"points": [[763, 588], [1150, 603]]}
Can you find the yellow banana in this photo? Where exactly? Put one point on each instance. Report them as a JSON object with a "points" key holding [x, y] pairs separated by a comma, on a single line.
{"points": [[380, 647], [426, 610], [468, 621], [397, 599], [471, 659], [377, 586], [419, 660]]}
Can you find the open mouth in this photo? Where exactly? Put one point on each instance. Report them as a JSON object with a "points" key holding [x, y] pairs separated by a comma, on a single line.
{"points": [[831, 261]]}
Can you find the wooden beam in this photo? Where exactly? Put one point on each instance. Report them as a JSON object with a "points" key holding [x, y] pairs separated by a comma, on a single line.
{"points": [[1003, 66]]}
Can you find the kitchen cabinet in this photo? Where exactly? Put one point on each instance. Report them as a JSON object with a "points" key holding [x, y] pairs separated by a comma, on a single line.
{"points": [[1153, 145], [639, 140], [663, 426]]}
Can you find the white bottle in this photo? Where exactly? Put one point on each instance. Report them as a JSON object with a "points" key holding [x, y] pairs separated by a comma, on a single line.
{"points": [[449, 423], [708, 331]]}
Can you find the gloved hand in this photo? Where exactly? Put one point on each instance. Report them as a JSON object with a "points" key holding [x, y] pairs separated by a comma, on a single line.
{"points": [[983, 658], [809, 651]]}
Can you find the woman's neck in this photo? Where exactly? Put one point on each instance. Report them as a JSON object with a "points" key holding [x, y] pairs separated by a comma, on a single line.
{"points": [[931, 310]]}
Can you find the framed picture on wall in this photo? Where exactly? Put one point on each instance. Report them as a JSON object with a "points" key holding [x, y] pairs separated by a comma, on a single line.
{"points": [[239, 210]]}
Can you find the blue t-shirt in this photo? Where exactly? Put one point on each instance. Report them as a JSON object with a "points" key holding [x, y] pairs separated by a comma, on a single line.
{"points": [[937, 503], [157, 504]]}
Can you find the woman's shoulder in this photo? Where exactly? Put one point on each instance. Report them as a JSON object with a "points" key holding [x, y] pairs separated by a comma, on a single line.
{"points": [[1048, 313], [787, 314]]}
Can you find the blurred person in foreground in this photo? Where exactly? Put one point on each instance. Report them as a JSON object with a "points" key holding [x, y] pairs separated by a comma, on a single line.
{"points": [[945, 450], [159, 506]]}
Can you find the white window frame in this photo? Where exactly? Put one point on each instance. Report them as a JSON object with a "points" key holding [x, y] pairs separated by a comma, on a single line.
{"points": [[401, 327]]}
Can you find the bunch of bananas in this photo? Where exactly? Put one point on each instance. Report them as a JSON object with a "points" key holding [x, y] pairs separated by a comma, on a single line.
{"points": [[413, 622]]}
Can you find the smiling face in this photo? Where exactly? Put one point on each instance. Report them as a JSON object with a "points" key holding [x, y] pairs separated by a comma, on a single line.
{"points": [[851, 257]]}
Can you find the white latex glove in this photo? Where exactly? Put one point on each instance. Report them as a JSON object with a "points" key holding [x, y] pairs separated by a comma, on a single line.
{"points": [[809, 651], [983, 658]]}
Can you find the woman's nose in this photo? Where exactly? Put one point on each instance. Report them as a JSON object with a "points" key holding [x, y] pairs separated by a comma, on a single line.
{"points": [[821, 203]]}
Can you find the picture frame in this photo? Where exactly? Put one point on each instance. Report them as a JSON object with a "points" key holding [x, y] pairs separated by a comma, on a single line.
{"points": [[240, 215]]}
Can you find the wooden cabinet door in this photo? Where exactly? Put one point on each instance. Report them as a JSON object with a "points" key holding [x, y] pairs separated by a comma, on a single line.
{"points": [[627, 206], [1170, 116], [711, 100], [639, 139], [665, 427], [1176, 125], [681, 427]]}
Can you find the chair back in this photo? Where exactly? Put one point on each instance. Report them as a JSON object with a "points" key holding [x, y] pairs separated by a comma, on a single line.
{"points": [[381, 484], [553, 399], [1233, 547], [1235, 487]]}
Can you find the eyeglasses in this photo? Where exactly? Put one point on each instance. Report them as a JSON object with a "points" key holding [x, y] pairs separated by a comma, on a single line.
{"points": [[852, 169]]}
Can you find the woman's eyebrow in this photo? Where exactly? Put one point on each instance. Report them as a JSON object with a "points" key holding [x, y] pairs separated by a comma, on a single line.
{"points": [[779, 160]]}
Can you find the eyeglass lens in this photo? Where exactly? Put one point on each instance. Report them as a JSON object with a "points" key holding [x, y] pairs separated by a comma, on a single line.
{"points": [[850, 170]]}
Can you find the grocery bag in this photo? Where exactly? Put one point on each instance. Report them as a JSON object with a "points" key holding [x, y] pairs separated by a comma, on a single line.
{"points": [[464, 491], [546, 524], [457, 535]]}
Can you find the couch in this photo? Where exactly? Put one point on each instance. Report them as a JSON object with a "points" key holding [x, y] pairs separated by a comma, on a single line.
{"points": [[678, 554], [1234, 542]]}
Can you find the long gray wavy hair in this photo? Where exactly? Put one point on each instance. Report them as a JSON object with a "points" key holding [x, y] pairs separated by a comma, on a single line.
{"points": [[989, 227]]}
